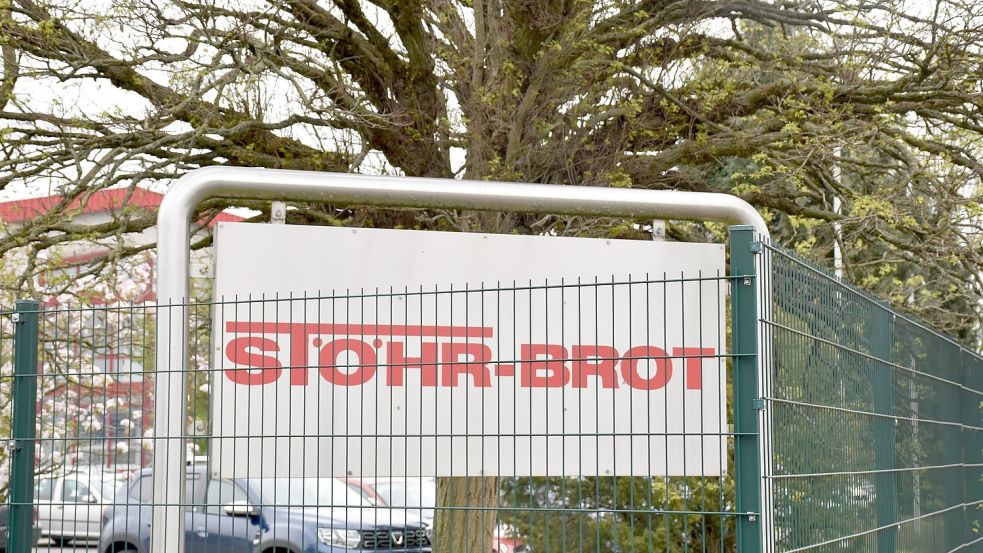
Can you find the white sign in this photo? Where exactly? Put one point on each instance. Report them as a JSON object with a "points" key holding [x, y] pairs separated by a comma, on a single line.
{"points": [[364, 352]]}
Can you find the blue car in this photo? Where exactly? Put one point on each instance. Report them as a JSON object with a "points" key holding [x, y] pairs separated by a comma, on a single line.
{"points": [[263, 515]]}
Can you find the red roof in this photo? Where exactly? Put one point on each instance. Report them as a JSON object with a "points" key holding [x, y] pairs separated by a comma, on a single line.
{"points": [[18, 211]]}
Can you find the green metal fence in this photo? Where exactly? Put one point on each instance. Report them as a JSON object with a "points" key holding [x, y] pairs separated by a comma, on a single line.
{"points": [[96, 368], [873, 421], [855, 429]]}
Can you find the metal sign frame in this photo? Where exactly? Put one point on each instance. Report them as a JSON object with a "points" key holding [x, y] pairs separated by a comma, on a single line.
{"points": [[173, 265]]}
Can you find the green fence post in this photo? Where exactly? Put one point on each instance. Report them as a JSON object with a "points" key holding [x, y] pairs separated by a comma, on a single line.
{"points": [[972, 418], [744, 337], [23, 429], [965, 442], [881, 343], [952, 445]]}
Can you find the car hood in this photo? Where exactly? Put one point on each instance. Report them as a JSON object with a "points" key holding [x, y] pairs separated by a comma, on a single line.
{"points": [[355, 518]]}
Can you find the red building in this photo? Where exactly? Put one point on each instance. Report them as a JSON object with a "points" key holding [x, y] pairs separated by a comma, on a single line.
{"points": [[87, 418]]}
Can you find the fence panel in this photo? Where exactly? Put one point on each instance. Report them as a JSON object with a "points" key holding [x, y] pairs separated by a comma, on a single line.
{"points": [[562, 416], [873, 422]]}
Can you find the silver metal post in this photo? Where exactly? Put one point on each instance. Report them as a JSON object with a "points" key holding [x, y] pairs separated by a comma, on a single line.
{"points": [[173, 263]]}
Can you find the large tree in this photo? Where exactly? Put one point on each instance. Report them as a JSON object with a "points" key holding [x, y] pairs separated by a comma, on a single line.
{"points": [[793, 105], [849, 122]]}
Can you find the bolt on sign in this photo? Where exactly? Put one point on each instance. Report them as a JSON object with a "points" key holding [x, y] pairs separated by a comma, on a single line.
{"points": [[365, 352]]}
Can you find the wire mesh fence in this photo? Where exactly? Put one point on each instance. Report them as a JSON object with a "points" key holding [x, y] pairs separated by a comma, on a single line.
{"points": [[618, 414], [537, 416], [874, 428]]}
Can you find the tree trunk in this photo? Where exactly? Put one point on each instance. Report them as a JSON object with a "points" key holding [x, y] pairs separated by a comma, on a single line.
{"points": [[468, 525]]}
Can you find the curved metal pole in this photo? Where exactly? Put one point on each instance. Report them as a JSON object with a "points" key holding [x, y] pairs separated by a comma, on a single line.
{"points": [[173, 258]]}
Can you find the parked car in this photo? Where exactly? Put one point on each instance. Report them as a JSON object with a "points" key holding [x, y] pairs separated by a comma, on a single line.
{"points": [[5, 527], [507, 540], [418, 497], [264, 515], [70, 506], [414, 496]]}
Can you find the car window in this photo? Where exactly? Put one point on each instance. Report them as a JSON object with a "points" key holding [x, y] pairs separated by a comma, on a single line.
{"points": [[73, 491], [108, 488], [362, 492], [219, 494], [43, 489], [409, 494], [308, 492], [143, 489]]}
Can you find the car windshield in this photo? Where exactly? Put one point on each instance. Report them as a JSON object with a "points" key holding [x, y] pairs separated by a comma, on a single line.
{"points": [[307, 492], [108, 487], [105, 486], [409, 493]]}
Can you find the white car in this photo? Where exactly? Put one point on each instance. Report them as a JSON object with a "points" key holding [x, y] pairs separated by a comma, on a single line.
{"points": [[70, 505]]}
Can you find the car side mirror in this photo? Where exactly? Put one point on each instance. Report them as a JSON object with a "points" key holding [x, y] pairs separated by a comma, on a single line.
{"points": [[241, 509], [88, 498]]}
